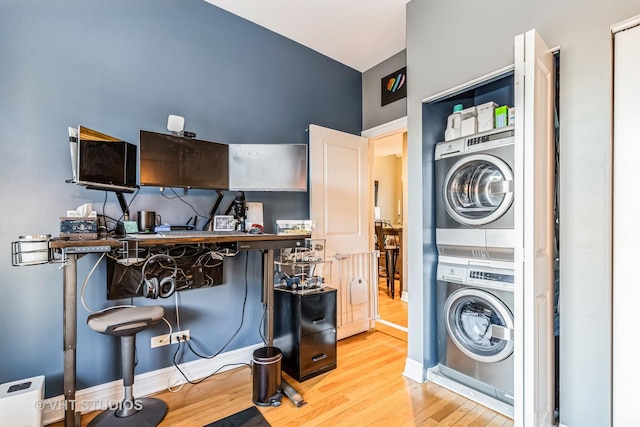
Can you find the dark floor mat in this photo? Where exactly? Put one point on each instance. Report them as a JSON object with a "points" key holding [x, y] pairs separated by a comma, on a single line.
{"points": [[249, 417]]}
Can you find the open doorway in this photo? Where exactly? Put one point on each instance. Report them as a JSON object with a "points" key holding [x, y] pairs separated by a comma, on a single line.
{"points": [[388, 144]]}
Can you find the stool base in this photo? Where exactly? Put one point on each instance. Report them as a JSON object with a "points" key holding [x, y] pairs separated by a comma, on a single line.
{"points": [[152, 412]]}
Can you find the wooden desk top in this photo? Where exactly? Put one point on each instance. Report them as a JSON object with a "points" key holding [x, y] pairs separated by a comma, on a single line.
{"points": [[244, 241]]}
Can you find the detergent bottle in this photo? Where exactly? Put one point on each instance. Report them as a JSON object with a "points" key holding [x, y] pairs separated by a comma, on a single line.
{"points": [[454, 124]]}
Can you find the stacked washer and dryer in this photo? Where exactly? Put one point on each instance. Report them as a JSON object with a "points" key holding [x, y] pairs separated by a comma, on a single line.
{"points": [[475, 239]]}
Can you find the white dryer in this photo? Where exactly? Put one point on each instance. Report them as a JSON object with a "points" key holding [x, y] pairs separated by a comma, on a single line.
{"points": [[474, 196]]}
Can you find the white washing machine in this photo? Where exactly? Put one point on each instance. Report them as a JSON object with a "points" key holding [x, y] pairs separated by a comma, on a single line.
{"points": [[474, 196], [476, 328]]}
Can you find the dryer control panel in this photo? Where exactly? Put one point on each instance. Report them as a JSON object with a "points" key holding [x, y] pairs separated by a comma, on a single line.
{"points": [[478, 141], [491, 139], [492, 277]]}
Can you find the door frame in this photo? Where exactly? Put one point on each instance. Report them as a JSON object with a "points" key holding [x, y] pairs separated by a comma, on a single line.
{"points": [[399, 125]]}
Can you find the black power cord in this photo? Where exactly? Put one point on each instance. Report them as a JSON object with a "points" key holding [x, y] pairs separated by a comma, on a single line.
{"points": [[180, 341], [175, 363]]}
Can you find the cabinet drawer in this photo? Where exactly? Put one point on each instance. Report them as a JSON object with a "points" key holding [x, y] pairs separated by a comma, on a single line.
{"points": [[317, 353], [318, 312]]}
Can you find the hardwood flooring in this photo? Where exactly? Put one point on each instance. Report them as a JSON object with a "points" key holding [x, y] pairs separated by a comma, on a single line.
{"points": [[392, 310], [366, 389]]}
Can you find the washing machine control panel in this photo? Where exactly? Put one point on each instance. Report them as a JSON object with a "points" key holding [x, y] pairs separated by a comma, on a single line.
{"points": [[499, 278]]}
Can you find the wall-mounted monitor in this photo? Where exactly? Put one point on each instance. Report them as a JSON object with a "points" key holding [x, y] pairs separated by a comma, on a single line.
{"points": [[180, 162], [268, 167], [101, 161]]}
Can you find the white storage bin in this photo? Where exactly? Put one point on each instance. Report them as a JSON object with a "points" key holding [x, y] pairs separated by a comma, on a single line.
{"points": [[485, 114], [469, 124]]}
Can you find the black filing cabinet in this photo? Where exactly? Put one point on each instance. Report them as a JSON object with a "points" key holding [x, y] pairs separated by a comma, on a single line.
{"points": [[305, 331]]}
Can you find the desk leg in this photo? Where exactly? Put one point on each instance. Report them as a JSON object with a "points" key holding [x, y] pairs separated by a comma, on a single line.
{"points": [[70, 319], [268, 296], [267, 283]]}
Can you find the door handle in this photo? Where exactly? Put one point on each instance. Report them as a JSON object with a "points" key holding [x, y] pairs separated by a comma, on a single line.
{"points": [[501, 333], [501, 187], [319, 357], [479, 262], [446, 278], [318, 320]]}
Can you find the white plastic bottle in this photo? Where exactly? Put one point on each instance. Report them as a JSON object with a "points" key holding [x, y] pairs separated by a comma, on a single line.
{"points": [[454, 124]]}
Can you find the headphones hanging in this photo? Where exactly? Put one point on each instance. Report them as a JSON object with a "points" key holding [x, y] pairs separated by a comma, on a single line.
{"points": [[163, 288]]}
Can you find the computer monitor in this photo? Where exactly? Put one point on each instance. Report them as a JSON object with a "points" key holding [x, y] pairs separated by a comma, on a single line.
{"points": [[181, 162], [103, 162], [268, 167]]}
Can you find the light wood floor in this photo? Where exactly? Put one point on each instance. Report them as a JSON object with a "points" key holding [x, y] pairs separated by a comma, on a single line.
{"points": [[366, 389], [392, 310]]}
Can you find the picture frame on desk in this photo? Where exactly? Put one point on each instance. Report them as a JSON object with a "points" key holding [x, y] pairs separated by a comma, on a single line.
{"points": [[224, 223]]}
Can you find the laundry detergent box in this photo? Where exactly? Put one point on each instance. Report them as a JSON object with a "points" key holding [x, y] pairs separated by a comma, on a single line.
{"points": [[485, 114], [502, 116]]}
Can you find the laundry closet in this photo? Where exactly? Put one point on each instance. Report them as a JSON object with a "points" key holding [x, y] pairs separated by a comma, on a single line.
{"points": [[489, 178]]}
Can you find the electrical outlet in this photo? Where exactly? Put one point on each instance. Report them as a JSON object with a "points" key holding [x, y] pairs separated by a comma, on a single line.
{"points": [[159, 340], [162, 340], [183, 335]]}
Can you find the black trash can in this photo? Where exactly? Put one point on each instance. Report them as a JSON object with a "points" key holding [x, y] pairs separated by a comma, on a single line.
{"points": [[267, 376]]}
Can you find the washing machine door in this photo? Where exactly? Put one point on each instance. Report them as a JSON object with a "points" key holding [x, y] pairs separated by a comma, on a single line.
{"points": [[478, 189], [479, 324]]}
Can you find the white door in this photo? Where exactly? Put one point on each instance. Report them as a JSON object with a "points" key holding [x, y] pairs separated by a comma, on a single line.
{"points": [[339, 189], [626, 152], [340, 207], [534, 168]]}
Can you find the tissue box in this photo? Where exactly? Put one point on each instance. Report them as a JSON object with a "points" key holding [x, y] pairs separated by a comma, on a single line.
{"points": [[485, 114], [79, 228]]}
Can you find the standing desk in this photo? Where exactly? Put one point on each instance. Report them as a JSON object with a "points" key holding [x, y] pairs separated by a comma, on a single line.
{"points": [[72, 250]]}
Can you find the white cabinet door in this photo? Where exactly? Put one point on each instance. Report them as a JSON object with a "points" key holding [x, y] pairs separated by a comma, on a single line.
{"points": [[534, 168], [626, 204]]}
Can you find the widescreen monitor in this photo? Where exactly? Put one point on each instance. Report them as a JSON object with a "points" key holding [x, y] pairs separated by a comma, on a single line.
{"points": [[174, 161]]}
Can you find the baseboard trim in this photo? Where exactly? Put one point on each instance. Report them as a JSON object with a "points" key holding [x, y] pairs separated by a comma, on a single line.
{"points": [[345, 331], [497, 405], [414, 370], [146, 383], [393, 325]]}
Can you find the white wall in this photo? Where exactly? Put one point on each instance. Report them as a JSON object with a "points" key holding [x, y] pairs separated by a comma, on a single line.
{"points": [[449, 43], [387, 170]]}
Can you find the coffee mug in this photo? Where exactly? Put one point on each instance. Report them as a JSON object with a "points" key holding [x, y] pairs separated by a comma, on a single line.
{"points": [[147, 221]]}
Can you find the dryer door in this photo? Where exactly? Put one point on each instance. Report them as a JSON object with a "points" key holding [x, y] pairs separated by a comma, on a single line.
{"points": [[478, 189], [479, 324]]}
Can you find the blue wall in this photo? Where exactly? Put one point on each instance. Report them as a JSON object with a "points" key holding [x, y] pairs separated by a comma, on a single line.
{"points": [[118, 67]]}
